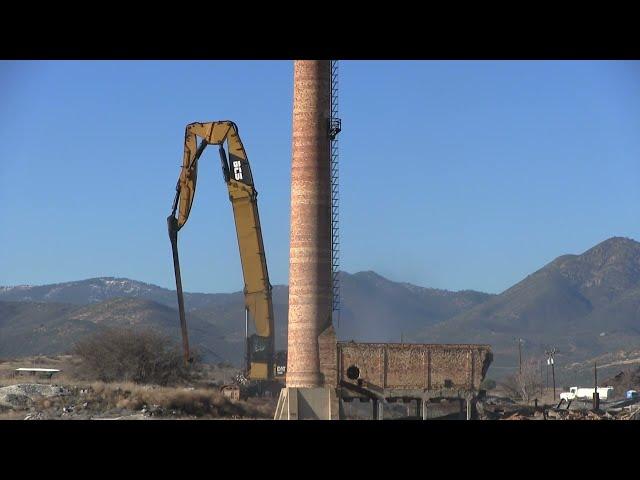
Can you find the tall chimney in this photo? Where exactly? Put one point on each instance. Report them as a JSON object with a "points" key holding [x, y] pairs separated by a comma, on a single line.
{"points": [[310, 241]]}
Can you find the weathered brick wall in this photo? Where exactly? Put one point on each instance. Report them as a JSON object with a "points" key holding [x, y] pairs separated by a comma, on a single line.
{"points": [[415, 366], [327, 346]]}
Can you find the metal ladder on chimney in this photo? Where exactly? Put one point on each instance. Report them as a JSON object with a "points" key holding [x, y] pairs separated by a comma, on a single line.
{"points": [[335, 125]]}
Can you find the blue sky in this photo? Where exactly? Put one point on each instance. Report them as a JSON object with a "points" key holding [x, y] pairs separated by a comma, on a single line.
{"points": [[454, 175]]}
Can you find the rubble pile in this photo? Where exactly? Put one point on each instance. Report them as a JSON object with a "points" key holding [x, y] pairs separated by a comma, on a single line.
{"points": [[494, 408], [101, 401], [630, 414], [24, 394]]}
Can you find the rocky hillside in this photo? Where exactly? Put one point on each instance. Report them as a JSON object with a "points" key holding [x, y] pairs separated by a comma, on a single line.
{"points": [[28, 328], [584, 305], [94, 290]]}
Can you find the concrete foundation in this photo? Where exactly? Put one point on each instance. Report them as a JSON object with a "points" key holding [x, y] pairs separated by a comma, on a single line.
{"points": [[315, 403], [320, 403]]}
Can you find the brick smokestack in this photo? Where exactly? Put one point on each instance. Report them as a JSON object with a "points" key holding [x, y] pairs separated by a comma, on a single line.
{"points": [[310, 241]]}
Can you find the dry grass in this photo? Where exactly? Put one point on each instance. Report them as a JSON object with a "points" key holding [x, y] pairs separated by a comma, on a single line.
{"points": [[11, 415], [159, 401], [72, 371], [66, 363], [94, 399]]}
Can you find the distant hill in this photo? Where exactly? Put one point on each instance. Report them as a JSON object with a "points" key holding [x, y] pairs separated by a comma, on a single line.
{"points": [[94, 290], [28, 328], [377, 309], [624, 380], [584, 305], [373, 309]]}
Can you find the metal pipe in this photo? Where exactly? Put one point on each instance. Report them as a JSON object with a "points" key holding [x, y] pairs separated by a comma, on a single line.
{"points": [[173, 236]]}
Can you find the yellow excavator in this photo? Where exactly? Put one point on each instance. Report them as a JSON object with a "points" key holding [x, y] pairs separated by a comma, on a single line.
{"points": [[260, 361]]}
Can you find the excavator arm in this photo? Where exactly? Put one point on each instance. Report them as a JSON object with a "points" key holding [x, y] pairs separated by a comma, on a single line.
{"points": [[243, 196]]}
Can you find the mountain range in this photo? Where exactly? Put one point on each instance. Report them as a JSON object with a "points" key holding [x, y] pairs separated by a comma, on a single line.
{"points": [[46, 318], [584, 305]]}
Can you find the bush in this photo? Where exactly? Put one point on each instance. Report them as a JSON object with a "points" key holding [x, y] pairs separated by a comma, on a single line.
{"points": [[524, 385], [139, 356]]}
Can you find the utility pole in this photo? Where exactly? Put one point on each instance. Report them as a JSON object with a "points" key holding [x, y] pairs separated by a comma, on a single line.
{"points": [[547, 383], [520, 355], [550, 361], [596, 396], [553, 376]]}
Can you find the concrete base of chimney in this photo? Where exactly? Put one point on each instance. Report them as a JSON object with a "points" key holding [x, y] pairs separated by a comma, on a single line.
{"points": [[319, 403]]}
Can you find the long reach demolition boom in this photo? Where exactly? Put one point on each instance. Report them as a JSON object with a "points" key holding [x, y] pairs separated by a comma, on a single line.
{"points": [[243, 195]]}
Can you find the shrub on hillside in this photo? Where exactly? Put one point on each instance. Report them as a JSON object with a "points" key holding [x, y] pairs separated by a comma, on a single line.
{"points": [[139, 356]]}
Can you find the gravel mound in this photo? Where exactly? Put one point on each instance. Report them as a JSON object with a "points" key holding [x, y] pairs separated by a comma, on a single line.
{"points": [[23, 395]]}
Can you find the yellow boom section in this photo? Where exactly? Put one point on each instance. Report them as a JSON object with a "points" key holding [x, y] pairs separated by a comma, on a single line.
{"points": [[243, 196]]}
